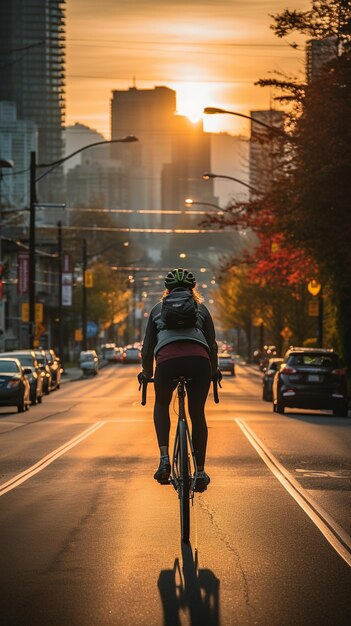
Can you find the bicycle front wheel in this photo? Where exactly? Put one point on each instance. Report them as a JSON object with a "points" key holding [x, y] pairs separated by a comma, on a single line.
{"points": [[184, 483]]}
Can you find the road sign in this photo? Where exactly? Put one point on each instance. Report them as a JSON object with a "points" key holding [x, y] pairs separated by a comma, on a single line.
{"points": [[313, 308], [25, 312], [286, 333], [314, 287], [78, 335], [39, 311], [88, 278], [92, 329], [39, 329]]}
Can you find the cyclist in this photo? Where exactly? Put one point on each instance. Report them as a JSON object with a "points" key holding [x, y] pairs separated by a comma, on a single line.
{"points": [[189, 352]]}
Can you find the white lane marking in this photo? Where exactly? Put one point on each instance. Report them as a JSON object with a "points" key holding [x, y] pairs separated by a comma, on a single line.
{"points": [[335, 535], [46, 460]]}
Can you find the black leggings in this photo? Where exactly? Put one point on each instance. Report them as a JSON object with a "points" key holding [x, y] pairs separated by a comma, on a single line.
{"points": [[197, 368]]}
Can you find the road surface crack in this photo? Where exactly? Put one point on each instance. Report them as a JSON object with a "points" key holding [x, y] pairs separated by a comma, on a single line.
{"points": [[223, 537]]}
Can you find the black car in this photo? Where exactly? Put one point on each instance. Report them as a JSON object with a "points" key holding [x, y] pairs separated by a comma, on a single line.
{"points": [[28, 360], [14, 384], [45, 371], [311, 378], [226, 363], [268, 376]]}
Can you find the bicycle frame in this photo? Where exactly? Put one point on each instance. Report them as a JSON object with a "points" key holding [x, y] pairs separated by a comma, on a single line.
{"points": [[182, 427]]}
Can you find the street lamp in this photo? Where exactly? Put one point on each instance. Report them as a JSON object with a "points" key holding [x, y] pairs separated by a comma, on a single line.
{"points": [[191, 202], [274, 129], [208, 175], [33, 200]]}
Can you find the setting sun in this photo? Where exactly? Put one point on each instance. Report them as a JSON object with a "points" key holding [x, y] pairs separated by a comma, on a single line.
{"points": [[192, 98]]}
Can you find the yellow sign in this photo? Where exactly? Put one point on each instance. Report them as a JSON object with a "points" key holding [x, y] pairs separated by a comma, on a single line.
{"points": [[25, 312], [286, 333], [88, 278], [313, 308], [314, 287], [35, 343], [39, 329], [39, 312], [78, 334]]}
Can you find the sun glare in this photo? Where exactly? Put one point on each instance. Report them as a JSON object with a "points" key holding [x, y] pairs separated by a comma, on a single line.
{"points": [[192, 98]]}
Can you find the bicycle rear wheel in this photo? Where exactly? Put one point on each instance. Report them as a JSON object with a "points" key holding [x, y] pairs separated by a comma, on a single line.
{"points": [[184, 483]]}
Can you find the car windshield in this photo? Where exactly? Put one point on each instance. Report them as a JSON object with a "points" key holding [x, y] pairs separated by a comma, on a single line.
{"points": [[25, 359], [8, 366], [315, 359]]}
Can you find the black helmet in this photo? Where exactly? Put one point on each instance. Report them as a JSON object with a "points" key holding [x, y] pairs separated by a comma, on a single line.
{"points": [[180, 278]]}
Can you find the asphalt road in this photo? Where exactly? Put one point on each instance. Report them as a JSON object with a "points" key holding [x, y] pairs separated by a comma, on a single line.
{"points": [[88, 538]]}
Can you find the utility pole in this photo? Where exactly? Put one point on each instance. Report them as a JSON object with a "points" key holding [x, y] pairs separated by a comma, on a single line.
{"points": [[84, 307], [60, 309], [320, 319], [32, 204]]}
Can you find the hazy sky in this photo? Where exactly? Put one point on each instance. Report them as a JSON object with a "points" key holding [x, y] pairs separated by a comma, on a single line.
{"points": [[209, 52]]}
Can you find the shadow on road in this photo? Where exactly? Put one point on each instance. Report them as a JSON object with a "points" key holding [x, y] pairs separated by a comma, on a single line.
{"points": [[190, 591]]}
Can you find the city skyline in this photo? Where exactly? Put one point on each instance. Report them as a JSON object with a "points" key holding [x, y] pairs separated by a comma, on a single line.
{"points": [[210, 55]]}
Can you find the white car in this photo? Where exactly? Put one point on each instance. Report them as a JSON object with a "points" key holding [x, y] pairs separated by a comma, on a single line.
{"points": [[89, 362]]}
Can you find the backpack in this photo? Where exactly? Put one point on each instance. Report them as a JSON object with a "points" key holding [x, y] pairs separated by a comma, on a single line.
{"points": [[179, 310]]}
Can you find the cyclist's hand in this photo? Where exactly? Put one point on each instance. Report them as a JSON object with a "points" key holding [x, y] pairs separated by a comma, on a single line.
{"points": [[217, 377], [141, 379]]}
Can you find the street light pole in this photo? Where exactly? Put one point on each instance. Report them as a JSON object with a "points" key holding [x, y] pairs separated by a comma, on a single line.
{"points": [[274, 129], [208, 175], [84, 307], [32, 277], [60, 270]]}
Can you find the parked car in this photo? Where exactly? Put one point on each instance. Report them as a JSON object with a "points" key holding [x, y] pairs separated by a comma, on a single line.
{"points": [[108, 350], [311, 378], [268, 376], [45, 371], [55, 367], [89, 362], [131, 355], [14, 384], [226, 363], [28, 360]]}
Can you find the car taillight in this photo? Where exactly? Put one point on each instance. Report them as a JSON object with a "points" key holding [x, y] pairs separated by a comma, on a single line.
{"points": [[339, 372], [288, 370]]}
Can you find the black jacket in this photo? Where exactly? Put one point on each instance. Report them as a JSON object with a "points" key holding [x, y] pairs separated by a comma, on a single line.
{"points": [[156, 336]]}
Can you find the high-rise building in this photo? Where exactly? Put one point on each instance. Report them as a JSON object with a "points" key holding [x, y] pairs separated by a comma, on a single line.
{"points": [[17, 139], [265, 149], [166, 165], [32, 72], [318, 53]]}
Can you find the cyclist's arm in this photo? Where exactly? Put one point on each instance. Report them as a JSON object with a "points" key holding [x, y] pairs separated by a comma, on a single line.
{"points": [[210, 336], [149, 343]]}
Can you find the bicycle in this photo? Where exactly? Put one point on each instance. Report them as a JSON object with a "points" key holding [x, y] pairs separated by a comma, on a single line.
{"points": [[183, 463]]}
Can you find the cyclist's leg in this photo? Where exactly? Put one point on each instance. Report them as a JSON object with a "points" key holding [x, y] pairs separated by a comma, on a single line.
{"points": [[199, 371], [164, 387]]}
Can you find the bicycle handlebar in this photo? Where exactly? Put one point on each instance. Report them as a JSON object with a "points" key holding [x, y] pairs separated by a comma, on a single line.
{"points": [[143, 387], [216, 383], [144, 384]]}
